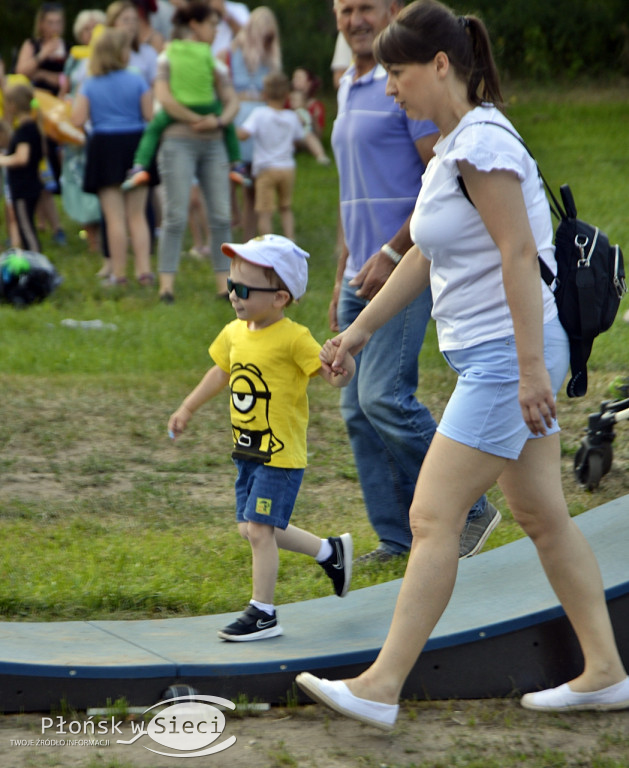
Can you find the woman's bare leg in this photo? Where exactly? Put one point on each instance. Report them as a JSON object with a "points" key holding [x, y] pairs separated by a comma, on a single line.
{"points": [[452, 477], [532, 487]]}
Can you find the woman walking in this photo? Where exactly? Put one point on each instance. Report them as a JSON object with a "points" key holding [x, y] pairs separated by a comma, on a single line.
{"points": [[498, 329]]}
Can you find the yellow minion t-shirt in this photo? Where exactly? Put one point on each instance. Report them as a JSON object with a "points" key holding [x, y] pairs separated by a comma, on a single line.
{"points": [[269, 370]]}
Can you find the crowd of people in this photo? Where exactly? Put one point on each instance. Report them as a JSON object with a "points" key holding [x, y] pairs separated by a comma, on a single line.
{"points": [[418, 99], [160, 153]]}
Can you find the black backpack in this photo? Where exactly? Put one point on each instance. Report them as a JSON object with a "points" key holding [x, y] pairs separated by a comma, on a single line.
{"points": [[590, 284], [590, 279]]}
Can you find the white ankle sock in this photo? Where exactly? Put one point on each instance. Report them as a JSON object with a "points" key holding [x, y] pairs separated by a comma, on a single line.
{"points": [[324, 551], [266, 607]]}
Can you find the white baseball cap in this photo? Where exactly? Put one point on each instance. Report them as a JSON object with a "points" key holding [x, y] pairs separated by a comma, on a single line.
{"points": [[281, 254]]}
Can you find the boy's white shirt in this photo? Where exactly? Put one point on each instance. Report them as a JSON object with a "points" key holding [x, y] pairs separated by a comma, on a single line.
{"points": [[274, 133]]}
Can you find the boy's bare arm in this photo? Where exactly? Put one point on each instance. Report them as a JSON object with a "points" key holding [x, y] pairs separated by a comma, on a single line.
{"points": [[210, 385]]}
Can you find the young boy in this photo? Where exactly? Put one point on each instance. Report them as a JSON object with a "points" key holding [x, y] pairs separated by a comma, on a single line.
{"points": [[267, 361], [24, 154], [274, 131]]}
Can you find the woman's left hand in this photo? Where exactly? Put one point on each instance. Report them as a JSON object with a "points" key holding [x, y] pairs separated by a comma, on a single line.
{"points": [[207, 123], [536, 400]]}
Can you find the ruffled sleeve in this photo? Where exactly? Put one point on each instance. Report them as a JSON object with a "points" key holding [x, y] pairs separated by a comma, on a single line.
{"points": [[488, 148]]}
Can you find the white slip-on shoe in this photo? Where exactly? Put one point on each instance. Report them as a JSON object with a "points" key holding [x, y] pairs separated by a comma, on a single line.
{"points": [[336, 695], [564, 699]]}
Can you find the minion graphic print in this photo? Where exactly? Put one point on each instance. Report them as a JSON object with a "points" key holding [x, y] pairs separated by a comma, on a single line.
{"points": [[253, 438], [269, 372]]}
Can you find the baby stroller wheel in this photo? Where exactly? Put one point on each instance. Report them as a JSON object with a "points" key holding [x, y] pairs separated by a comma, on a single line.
{"points": [[608, 457], [590, 464]]}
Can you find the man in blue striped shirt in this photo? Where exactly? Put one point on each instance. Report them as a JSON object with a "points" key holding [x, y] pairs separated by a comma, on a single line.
{"points": [[381, 156]]}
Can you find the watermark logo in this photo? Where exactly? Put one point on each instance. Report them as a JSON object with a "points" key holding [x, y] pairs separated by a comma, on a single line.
{"points": [[186, 724]]}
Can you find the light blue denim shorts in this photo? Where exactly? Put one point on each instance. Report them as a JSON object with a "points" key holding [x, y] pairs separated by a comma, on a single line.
{"points": [[483, 411], [266, 494]]}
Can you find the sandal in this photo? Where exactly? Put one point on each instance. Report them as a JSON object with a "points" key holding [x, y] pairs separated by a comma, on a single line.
{"points": [[111, 281], [146, 279]]}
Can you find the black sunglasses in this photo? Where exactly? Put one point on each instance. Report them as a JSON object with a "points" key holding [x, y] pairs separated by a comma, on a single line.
{"points": [[243, 291]]}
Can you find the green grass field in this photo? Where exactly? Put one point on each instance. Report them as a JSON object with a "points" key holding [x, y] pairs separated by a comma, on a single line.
{"points": [[100, 515]]}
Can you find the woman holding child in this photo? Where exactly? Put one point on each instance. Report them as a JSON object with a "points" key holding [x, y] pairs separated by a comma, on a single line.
{"points": [[193, 146]]}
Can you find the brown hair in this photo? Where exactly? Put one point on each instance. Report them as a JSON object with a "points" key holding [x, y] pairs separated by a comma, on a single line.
{"points": [[194, 10], [276, 86], [20, 96], [108, 54], [42, 12], [272, 276], [116, 9], [424, 28]]}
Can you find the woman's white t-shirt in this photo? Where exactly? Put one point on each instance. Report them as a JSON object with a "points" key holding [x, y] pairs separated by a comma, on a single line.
{"points": [[469, 301]]}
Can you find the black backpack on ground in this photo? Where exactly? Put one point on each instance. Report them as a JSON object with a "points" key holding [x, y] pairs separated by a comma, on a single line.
{"points": [[590, 279], [26, 277]]}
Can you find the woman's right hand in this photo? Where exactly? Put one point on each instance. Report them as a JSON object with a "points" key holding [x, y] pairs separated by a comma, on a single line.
{"points": [[51, 48], [349, 342]]}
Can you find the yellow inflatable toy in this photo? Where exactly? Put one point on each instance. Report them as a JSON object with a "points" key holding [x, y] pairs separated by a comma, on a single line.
{"points": [[56, 119], [80, 51]]}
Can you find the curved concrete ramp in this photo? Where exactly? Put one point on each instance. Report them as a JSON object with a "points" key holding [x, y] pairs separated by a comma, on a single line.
{"points": [[503, 632]]}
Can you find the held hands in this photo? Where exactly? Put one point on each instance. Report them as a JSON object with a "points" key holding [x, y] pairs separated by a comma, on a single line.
{"points": [[373, 275], [337, 354], [536, 399], [178, 422], [338, 374]]}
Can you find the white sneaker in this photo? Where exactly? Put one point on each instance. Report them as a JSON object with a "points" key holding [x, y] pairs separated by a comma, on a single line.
{"points": [[336, 695], [564, 699]]}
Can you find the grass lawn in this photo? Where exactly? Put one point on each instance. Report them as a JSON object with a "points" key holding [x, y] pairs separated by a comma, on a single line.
{"points": [[102, 516]]}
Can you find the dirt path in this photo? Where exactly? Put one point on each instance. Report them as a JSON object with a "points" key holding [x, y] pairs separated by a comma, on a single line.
{"points": [[491, 734]]}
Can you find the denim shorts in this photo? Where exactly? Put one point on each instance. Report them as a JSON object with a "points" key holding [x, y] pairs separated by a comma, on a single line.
{"points": [[483, 411], [265, 494]]}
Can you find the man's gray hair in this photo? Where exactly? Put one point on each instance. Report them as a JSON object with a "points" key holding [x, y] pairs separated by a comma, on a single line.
{"points": [[386, 3]]}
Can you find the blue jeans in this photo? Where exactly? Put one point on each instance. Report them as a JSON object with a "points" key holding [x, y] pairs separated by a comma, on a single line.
{"points": [[389, 429], [179, 160]]}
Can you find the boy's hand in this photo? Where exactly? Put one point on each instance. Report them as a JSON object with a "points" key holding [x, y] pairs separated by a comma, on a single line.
{"points": [[337, 370], [178, 422], [328, 354], [347, 344]]}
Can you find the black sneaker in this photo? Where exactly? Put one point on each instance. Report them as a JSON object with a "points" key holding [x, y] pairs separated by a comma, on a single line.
{"points": [[339, 565], [254, 624]]}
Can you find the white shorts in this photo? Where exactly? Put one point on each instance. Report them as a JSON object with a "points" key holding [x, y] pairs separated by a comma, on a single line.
{"points": [[483, 411]]}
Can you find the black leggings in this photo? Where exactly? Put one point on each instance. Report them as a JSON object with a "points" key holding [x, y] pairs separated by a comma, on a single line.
{"points": [[24, 208]]}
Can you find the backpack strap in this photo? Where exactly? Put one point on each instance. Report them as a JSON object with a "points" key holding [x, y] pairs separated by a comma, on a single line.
{"points": [[547, 274], [557, 210]]}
